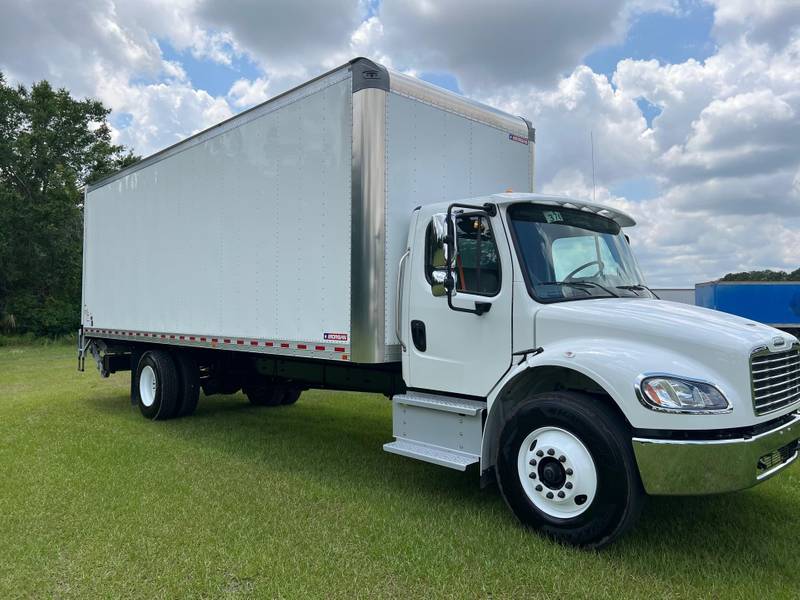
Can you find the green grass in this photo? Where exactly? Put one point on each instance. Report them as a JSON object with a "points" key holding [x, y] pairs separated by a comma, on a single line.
{"points": [[301, 501]]}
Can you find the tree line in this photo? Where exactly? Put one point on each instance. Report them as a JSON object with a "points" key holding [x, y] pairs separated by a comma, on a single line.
{"points": [[51, 145], [767, 275]]}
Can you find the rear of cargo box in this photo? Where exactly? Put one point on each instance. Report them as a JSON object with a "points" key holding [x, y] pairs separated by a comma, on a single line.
{"points": [[775, 303], [279, 231]]}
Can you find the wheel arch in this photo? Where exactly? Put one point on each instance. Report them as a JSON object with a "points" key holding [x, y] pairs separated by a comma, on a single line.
{"points": [[536, 380]]}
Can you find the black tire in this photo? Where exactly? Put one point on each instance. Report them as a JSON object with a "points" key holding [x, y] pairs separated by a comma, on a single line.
{"points": [[265, 393], [291, 395], [163, 402], [619, 495], [189, 375]]}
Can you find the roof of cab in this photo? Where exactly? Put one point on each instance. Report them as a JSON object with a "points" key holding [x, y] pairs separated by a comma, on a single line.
{"points": [[619, 217]]}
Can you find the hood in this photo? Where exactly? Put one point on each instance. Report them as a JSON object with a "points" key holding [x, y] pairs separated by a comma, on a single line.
{"points": [[651, 320]]}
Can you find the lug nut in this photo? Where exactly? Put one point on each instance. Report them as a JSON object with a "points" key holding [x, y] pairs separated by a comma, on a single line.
{"points": [[538, 488], [560, 494], [539, 453], [551, 452], [532, 475], [549, 495], [568, 485], [562, 458], [569, 471], [532, 462]]}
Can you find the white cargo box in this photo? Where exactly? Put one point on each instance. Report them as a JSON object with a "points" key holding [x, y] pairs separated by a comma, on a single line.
{"points": [[280, 229]]}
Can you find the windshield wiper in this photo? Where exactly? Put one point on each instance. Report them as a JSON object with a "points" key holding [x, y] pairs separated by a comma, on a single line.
{"points": [[581, 285], [638, 287]]}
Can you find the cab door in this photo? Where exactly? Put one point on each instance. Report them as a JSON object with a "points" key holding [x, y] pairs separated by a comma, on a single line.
{"points": [[450, 350]]}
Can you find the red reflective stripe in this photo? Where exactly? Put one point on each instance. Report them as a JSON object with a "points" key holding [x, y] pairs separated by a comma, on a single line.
{"points": [[319, 347], [338, 349], [268, 344], [284, 345], [253, 343], [191, 338], [226, 341], [301, 347], [240, 342], [202, 339]]}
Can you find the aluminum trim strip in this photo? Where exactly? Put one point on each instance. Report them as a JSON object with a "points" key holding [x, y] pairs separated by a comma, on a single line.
{"points": [[299, 348], [368, 227], [402, 84]]}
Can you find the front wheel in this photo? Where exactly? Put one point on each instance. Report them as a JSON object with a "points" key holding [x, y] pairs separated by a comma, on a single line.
{"points": [[566, 468]]}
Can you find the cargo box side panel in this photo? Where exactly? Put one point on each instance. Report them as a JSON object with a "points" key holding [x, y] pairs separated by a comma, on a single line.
{"points": [[243, 234], [436, 155]]}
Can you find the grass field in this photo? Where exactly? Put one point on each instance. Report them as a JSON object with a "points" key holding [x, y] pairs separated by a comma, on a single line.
{"points": [[301, 501]]}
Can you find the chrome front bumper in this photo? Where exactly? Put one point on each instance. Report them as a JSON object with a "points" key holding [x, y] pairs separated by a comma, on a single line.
{"points": [[690, 467]]}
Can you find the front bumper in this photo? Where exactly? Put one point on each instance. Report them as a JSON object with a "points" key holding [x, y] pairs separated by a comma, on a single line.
{"points": [[691, 467]]}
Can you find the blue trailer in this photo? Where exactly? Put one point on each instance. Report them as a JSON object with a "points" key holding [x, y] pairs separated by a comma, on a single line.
{"points": [[775, 303]]}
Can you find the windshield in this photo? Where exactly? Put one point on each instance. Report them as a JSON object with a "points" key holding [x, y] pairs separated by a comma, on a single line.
{"points": [[569, 254]]}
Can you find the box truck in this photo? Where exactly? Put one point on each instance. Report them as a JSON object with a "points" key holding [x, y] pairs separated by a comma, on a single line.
{"points": [[358, 233]]}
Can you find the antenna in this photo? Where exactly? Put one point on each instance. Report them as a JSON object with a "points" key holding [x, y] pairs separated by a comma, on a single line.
{"points": [[594, 192]]}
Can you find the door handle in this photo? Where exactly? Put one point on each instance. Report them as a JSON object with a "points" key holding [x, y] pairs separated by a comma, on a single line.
{"points": [[418, 335]]}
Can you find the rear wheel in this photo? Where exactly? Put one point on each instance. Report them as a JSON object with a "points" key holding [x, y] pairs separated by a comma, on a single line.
{"points": [[156, 385], [566, 468], [189, 375], [291, 395], [264, 393]]}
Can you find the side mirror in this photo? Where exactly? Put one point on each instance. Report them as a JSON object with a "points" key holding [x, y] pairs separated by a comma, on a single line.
{"points": [[439, 285]]}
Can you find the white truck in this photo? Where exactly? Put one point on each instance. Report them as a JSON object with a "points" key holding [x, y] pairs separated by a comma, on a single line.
{"points": [[349, 235]]}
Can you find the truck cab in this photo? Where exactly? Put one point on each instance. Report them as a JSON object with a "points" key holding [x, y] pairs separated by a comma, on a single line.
{"points": [[532, 345]]}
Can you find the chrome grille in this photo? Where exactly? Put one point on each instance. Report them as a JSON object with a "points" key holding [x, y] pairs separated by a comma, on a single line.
{"points": [[775, 378]]}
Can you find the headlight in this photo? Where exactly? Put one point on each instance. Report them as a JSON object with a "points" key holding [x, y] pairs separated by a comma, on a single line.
{"points": [[681, 395]]}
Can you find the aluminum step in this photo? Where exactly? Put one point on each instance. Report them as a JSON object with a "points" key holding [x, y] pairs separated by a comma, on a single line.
{"points": [[443, 403], [432, 454]]}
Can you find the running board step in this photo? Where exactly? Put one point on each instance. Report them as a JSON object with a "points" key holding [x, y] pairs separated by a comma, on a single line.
{"points": [[444, 403], [438, 429], [432, 454]]}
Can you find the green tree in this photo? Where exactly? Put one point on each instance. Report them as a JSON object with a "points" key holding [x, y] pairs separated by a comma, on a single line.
{"points": [[767, 275], [51, 145]]}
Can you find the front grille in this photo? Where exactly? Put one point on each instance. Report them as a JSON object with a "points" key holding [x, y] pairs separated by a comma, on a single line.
{"points": [[777, 457], [775, 378]]}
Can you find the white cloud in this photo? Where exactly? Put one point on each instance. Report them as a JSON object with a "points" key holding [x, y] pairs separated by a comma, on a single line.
{"points": [[245, 93], [583, 104], [774, 22], [723, 155], [497, 44]]}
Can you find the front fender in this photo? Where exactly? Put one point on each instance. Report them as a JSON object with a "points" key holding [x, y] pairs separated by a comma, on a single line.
{"points": [[615, 367]]}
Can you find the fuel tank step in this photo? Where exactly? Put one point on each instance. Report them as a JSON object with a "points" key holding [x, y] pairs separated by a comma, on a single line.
{"points": [[438, 429]]}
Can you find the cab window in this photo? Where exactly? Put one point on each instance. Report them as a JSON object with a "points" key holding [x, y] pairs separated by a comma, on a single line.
{"points": [[476, 267]]}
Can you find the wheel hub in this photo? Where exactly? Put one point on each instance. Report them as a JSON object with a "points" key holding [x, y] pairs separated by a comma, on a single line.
{"points": [[557, 472], [552, 474]]}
